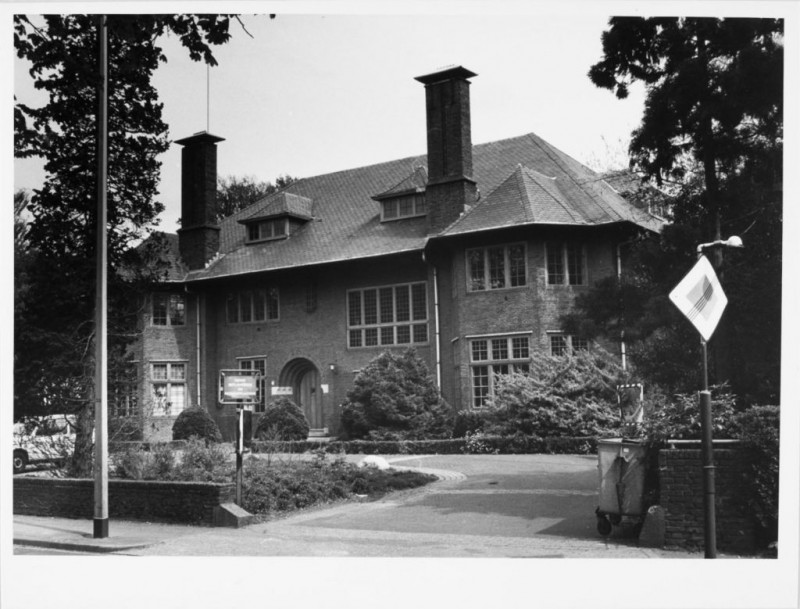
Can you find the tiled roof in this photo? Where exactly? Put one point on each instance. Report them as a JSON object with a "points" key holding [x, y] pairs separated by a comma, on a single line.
{"points": [[523, 180]]}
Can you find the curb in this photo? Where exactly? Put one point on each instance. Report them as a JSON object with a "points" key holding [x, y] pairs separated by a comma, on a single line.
{"points": [[96, 547]]}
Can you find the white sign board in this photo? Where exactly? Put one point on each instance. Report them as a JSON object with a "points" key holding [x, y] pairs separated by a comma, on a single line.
{"points": [[282, 391], [700, 298], [239, 387]]}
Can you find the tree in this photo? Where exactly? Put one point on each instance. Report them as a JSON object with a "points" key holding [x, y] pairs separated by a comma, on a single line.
{"points": [[53, 359], [713, 126], [236, 193], [714, 93]]}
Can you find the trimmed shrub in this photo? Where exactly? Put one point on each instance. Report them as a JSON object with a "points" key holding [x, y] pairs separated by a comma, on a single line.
{"points": [[395, 398], [468, 422], [196, 422], [515, 444], [283, 420]]}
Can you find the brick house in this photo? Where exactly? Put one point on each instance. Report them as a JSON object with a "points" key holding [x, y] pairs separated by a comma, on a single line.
{"points": [[469, 254]]}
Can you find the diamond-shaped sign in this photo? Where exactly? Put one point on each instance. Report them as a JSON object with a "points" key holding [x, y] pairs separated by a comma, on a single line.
{"points": [[700, 298]]}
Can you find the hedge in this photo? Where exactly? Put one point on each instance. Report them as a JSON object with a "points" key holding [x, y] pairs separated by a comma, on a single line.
{"points": [[508, 445]]}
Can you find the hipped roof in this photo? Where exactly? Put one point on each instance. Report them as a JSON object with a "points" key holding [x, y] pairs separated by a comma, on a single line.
{"points": [[523, 181]]}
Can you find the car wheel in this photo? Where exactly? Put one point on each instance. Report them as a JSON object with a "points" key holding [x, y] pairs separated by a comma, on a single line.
{"points": [[20, 461]]}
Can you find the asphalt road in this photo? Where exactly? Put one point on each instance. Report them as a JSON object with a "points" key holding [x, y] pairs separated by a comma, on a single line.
{"points": [[489, 505]]}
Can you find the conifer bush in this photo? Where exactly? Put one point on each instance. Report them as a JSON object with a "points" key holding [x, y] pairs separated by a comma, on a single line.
{"points": [[283, 420], [196, 422], [394, 397]]}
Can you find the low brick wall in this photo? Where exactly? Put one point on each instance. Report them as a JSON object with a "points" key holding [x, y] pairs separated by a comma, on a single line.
{"points": [[188, 502], [681, 480]]}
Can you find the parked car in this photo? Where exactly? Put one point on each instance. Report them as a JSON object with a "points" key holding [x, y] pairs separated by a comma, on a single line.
{"points": [[49, 439]]}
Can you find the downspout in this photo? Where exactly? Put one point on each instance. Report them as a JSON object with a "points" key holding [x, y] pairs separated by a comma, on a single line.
{"points": [[436, 324], [197, 346]]}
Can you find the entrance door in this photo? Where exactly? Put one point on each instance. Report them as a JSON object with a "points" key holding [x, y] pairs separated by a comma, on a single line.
{"points": [[309, 398]]}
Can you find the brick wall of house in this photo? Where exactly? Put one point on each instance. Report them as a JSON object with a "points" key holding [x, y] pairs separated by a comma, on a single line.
{"points": [[534, 308], [166, 344], [681, 484], [191, 502], [319, 336]]}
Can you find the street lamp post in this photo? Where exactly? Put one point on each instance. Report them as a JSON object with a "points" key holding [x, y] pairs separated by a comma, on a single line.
{"points": [[707, 439]]}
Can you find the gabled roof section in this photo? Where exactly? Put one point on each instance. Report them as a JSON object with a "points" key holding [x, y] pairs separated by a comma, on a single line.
{"points": [[279, 204], [414, 183]]}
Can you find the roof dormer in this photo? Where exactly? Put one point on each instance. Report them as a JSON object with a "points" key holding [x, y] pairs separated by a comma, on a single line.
{"points": [[276, 217], [406, 199]]}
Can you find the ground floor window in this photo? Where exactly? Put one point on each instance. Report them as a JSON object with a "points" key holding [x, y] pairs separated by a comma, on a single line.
{"points": [[567, 344], [258, 364], [492, 356], [168, 381]]}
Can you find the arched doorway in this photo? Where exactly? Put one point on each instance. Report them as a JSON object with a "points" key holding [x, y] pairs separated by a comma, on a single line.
{"points": [[303, 377]]}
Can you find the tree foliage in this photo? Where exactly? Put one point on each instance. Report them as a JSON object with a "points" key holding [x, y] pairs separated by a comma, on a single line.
{"points": [[713, 125], [53, 355], [236, 193], [394, 397]]}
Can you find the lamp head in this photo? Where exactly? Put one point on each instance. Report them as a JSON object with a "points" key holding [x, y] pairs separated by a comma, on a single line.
{"points": [[734, 241]]}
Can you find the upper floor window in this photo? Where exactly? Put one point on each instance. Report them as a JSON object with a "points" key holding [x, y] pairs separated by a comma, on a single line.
{"points": [[407, 206], [169, 310], [491, 357], [267, 229], [253, 306], [565, 263], [566, 344], [495, 268], [389, 315]]}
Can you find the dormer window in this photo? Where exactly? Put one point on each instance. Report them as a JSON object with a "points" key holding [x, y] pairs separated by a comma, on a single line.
{"points": [[406, 199], [266, 230], [408, 206]]}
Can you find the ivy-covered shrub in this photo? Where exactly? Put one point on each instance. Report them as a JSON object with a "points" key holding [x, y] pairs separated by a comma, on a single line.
{"points": [[283, 420], [559, 397], [395, 398], [678, 417], [758, 428], [196, 422], [203, 462], [195, 462]]}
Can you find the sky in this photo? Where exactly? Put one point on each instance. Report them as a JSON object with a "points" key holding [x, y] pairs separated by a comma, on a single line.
{"points": [[307, 94]]}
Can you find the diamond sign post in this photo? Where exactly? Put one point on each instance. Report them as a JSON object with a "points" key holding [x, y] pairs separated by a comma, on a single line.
{"points": [[700, 298]]}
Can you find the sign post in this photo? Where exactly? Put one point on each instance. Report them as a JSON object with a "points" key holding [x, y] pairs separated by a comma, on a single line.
{"points": [[700, 298], [239, 387]]}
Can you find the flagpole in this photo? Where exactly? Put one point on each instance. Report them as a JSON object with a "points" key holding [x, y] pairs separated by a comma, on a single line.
{"points": [[101, 318]]}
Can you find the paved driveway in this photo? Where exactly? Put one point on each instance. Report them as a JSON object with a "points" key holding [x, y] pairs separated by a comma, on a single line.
{"points": [[488, 505]]}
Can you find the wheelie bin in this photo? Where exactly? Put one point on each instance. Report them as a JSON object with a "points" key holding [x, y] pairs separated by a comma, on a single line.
{"points": [[621, 469]]}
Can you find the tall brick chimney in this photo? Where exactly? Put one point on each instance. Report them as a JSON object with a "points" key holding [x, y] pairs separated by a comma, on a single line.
{"points": [[450, 184], [198, 237]]}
